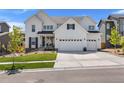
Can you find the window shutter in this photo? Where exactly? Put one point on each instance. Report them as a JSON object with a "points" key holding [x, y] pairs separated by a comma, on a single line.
{"points": [[36, 42], [29, 42], [67, 26], [73, 26]]}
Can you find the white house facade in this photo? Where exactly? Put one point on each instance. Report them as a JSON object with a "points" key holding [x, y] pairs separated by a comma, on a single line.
{"points": [[61, 33]]}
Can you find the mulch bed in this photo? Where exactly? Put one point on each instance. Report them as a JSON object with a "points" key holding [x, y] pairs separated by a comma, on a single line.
{"points": [[112, 51]]}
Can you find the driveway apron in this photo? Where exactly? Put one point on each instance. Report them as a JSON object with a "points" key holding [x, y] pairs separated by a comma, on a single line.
{"points": [[86, 59]]}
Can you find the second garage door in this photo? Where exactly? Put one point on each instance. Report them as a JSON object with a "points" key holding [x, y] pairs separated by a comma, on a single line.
{"points": [[91, 44], [71, 45]]}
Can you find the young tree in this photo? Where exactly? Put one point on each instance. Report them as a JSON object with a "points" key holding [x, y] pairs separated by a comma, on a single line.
{"points": [[122, 43], [3, 48], [16, 40], [114, 37]]}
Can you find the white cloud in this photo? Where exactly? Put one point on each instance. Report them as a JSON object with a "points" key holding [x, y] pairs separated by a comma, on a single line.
{"points": [[20, 11], [19, 24], [4, 18], [119, 12], [14, 11]]}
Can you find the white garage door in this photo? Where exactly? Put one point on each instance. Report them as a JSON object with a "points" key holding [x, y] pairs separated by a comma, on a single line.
{"points": [[91, 44], [70, 45]]}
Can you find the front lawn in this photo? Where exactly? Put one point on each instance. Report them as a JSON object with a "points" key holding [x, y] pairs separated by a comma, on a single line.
{"points": [[31, 57], [28, 65]]}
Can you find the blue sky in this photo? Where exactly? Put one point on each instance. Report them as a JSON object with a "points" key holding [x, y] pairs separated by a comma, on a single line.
{"points": [[18, 16]]}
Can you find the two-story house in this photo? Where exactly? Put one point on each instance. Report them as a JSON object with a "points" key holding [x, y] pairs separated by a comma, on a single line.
{"points": [[105, 26], [4, 34], [61, 33]]}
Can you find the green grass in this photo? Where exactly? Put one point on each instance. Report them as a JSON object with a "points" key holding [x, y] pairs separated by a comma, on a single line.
{"points": [[28, 65], [31, 57]]}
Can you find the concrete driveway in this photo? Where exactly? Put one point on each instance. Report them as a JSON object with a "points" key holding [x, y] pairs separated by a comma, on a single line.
{"points": [[87, 59]]}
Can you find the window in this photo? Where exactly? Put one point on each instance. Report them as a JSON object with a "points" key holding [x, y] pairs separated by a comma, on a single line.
{"points": [[70, 26], [0, 29], [58, 25], [33, 28], [48, 27], [33, 41], [108, 26], [91, 27], [51, 27], [44, 27]]}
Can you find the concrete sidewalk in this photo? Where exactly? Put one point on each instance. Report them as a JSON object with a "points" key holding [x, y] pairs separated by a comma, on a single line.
{"points": [[4, 63]]}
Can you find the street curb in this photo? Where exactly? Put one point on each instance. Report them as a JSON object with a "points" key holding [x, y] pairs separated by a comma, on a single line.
{"points": [[68, 68], [73, 68]]}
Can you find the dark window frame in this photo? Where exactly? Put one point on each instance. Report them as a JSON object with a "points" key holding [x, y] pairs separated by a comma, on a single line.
{"points": [[91, 27], [71, 26], [33, 28]]}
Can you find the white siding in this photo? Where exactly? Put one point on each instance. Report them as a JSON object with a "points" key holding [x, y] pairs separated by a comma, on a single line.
{"points": [[28, 28], [80, 33], [63, 33], [102, 30]]}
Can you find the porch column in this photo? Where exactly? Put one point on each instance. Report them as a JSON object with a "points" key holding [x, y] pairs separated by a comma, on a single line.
{"points": [[45, 41]]}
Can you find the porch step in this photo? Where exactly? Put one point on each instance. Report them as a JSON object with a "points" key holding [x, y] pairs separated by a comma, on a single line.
{"points": [[41, 49]]}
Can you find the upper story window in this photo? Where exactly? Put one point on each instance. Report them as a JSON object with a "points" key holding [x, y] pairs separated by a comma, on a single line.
{"points": [[70, 26], [58, 25], [44, 27], [91, 27], [0, 29], [108, 26], [33, 28], [48, 27]]}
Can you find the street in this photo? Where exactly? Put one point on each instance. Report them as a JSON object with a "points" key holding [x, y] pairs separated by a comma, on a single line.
{"points": [[102, 75]]}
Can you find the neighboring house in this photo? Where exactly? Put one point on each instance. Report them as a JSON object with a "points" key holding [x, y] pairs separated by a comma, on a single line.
{"points": [[61, 33], [105, 26], [4, 34]]}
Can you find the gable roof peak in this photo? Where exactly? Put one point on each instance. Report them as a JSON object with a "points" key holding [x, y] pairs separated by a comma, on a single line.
{"points": [[41, 12]]}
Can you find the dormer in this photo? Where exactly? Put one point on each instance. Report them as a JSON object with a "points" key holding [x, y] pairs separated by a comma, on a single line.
{"points": [[88, 23]]}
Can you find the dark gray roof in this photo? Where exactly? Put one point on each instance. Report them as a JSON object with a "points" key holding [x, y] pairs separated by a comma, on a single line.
{"points": [[5, 23], [116, 16], [93, 31], [104, 20], [45, 32]]}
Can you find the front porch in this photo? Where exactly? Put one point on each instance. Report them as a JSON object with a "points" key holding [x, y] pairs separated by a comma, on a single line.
{"points": [[47, 40]]}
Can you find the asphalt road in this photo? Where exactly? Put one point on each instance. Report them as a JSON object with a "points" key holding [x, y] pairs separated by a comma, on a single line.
{"points": [[108, 75]]}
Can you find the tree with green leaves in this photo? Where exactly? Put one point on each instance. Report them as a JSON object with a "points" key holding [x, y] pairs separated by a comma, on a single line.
{"points": [[3, 48], [16, 40], [114, 38], [122, 43]]}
